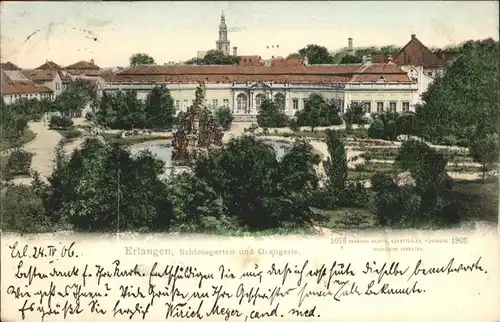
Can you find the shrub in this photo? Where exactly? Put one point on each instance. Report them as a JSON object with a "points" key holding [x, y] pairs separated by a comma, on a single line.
{"points": [[71, 133], [294, 126], [60, 122], [224, 117], [19, 163]]}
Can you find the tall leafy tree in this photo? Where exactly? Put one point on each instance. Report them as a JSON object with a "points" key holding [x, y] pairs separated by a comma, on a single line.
{"points": [[141, 59], [102, 188], [270, 115], [214, 57], [159, 109], [351, 59], [224, 117], [486, 150], [74, 97], [12, 123], [464, 102], [316, 54], [336, 164], [318, 112], [244, 174]]}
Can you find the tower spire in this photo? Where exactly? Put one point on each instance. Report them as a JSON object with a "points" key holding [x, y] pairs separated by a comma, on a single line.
{"points": [[222, 44]]}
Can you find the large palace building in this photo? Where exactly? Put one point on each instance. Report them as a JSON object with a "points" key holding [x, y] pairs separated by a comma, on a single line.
{"points": [[379, 86], [385, 82]]}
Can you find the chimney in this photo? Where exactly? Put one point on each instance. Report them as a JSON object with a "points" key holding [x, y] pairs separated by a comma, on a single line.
{"points": [[92, 61], [413, 36], [368, 59], [349, 46], [235, 51], [389, 59]]}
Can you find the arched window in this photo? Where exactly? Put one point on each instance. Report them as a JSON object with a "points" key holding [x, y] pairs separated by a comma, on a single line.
{"points": [[241, 103], [280, 101], [259, 99]]}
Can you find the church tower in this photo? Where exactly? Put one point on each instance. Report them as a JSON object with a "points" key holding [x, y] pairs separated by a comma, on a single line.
{"points": [[222, 44]]}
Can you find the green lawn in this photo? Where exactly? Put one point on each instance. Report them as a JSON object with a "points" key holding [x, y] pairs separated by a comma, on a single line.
{"points": [[131, 140], [27, 136]]}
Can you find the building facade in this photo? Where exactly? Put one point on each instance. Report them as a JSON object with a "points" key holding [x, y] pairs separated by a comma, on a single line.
{"points": [[289, 82], [15, 86]]}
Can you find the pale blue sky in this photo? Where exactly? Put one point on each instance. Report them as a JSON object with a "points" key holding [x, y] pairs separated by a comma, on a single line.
{"points": [[173, 31]]}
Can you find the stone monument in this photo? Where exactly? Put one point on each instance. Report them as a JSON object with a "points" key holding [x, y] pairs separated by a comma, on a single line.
{"points": [[198, 132]]}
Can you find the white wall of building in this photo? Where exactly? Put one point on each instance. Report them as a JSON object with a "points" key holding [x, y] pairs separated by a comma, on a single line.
{"points": [[218, 95], [12, 98]]}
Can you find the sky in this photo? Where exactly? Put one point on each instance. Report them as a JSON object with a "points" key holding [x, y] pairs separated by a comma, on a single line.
{"points": [[109, 32]]}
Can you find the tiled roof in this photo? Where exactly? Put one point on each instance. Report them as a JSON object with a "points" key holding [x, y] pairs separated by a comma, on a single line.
{"points": [[242, 74], [9, 86], [9, 66], [49, 65], [416, 53], [83, 65], [40, 75], [373, 72], [84, 72]]}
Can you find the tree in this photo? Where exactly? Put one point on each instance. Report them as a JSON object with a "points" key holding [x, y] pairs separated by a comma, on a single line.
{"points": [[407, 124], [318, 112], [12, 124], [103, 188], [464, 102], [224, 117], [486, 150], [74, 97], [410, 154], [389, 49], [316, 54], [244, 174], [197, 207], [336, 164], [384, 126], [214, 57], [355, 114], [18, 163], [159, 109], [22, 211], [270, 115], [32, 109], [351, 59], [121, 110], [298, 182], [60, 122], [140, 59]]}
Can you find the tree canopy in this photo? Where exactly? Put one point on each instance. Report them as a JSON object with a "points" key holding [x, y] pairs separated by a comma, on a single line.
{"points": [[270, 115], [123, 110], [140, 59], [214, 57], [464, 102], [316, 54], [318, 112]]}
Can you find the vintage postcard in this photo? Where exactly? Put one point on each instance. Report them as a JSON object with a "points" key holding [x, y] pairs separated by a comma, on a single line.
{"points": [[250, 161]]}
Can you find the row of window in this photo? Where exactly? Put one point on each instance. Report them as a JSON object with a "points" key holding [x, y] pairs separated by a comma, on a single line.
{"points": [[381, 106], [242, 104], [215, 103]]}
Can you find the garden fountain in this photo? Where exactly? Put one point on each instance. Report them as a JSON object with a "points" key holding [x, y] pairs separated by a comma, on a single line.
{"points": [[198, 134]]}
